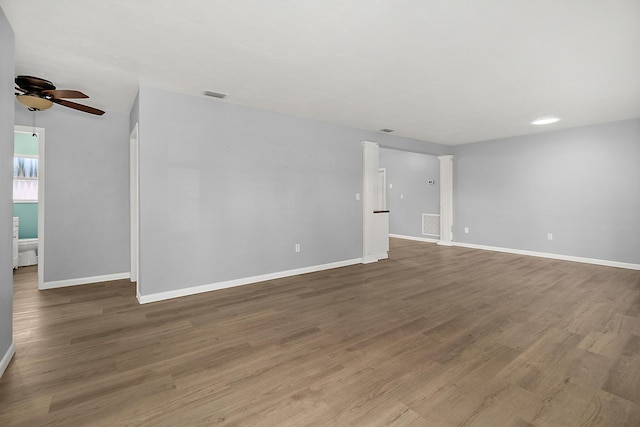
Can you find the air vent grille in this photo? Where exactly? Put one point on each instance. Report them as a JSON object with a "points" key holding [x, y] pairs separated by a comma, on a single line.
{"points": [[431, 225], [215, 94]]}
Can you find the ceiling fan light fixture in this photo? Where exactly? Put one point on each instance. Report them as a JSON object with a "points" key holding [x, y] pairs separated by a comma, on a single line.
{"points": [[545, 121], [34, 102]]}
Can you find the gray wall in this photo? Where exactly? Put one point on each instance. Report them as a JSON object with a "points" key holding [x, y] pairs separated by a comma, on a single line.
{"points": [[6, 189], [86, 191], [409, 174], [581, 184], [226, 191]]}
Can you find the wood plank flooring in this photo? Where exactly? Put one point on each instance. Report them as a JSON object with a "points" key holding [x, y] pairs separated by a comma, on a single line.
{"points": [[433, 336]]}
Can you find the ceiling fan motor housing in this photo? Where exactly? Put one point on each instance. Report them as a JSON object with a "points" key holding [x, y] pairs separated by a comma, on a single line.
{"points": [[34, 84]]}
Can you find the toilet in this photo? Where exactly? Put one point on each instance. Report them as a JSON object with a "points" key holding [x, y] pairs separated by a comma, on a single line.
{"points": [[27, 252]]}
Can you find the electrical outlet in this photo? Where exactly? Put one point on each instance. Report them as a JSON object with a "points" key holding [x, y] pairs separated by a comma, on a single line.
{"points": [[390, 185], [297, 247], [550, 236], [402, 196], [466, 230], [357, 196]]}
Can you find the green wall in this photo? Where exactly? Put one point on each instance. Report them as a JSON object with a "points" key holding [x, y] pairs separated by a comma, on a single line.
{"points": [[25, 144], [28, 214]]}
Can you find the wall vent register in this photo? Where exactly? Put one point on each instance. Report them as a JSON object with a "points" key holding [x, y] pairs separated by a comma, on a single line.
{"points": [[431, 225]]}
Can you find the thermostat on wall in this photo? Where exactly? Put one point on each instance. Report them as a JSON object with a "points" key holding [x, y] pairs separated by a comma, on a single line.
{"points": [[431, 181]]}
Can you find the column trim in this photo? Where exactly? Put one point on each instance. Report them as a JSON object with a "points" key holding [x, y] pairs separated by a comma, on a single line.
{"points": [[370, 160], [446, 200]]}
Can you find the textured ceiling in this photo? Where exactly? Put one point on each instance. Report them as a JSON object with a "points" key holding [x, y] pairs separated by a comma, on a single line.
{"points": [[445, 71]]}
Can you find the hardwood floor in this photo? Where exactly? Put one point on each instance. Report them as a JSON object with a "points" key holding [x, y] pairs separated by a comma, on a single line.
{"points": [[433, 336]]}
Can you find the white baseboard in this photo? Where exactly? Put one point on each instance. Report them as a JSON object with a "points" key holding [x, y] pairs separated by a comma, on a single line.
{"points": [[369, 259], [84, 280], [7, 358], [417, 239], [551, 256], [160, 296]]}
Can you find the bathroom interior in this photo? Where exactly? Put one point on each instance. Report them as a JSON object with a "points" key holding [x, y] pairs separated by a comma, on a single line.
{"points": [[25, 199]]}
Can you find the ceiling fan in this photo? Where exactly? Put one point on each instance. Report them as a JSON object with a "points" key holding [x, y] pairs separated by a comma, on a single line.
{"points": [[39, 94]]}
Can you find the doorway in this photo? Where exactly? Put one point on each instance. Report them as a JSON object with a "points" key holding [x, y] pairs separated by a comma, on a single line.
{"points": [[26, 177]]}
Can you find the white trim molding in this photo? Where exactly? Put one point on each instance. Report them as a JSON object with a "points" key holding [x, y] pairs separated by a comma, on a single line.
{"points": [[446, 200], [370, 153], [160, 296], [134, 203], [85, 280], [417, 239], [4, 363], [572, 258], [372, 258]]}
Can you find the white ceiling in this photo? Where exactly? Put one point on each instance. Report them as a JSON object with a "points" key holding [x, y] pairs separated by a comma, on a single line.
{"points": [[445, 71]]}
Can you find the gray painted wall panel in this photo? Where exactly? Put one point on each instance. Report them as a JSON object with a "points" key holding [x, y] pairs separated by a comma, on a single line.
{"points": [[226, 191], [6, 188], [582, 185], [87, 192], [409, 174]]}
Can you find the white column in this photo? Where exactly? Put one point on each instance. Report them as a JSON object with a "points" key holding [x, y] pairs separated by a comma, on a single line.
{"points": [[446, 200], [370, 151], [134, 213]]}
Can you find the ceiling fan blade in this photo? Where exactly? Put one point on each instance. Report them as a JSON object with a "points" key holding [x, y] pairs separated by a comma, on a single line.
{"points": [[77, 106], [62, 93], [21, 90]]}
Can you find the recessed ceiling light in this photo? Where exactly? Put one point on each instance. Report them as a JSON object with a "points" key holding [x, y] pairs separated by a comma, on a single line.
{"points": [[215, 94], [545, 121]]}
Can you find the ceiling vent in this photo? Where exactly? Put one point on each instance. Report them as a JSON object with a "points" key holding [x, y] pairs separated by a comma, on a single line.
{"points": [[387, 130], [215, 94]]}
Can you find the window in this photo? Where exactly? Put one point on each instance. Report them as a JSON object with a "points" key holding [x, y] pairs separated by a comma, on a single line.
{"points": [[25, 168]]}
